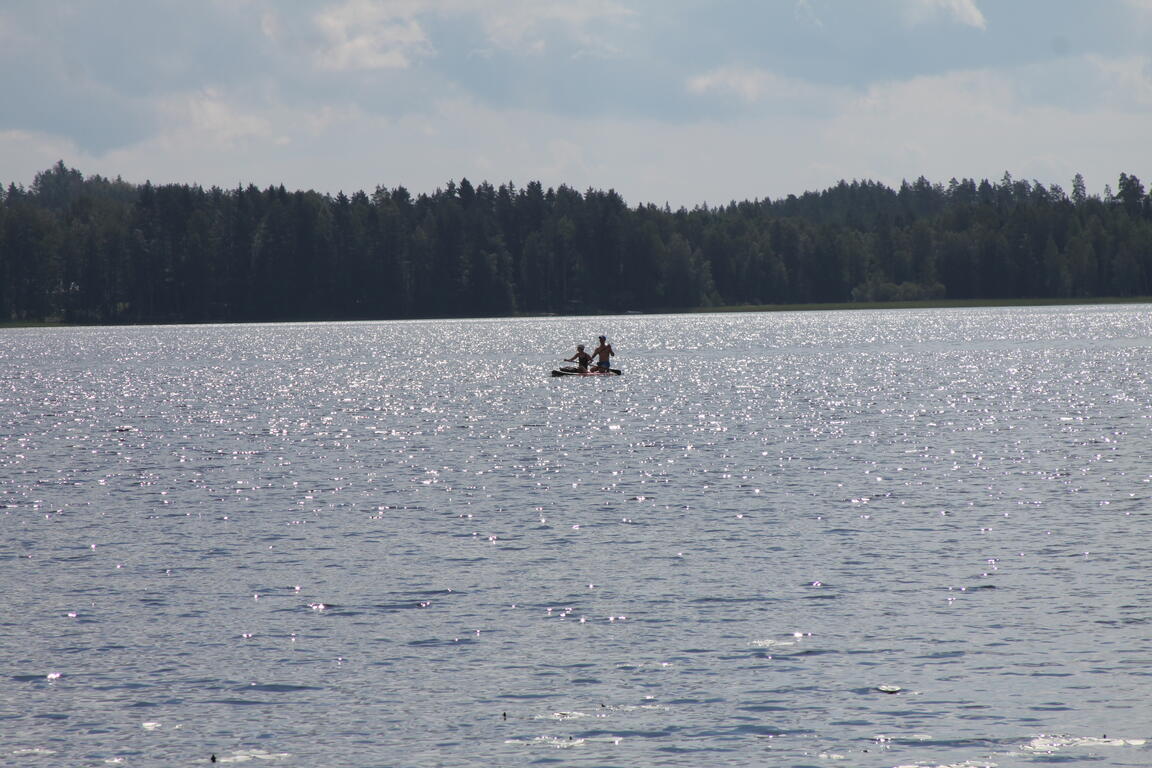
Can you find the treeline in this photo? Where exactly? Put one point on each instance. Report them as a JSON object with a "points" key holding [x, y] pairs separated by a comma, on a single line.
{"points": [[93, 250]]}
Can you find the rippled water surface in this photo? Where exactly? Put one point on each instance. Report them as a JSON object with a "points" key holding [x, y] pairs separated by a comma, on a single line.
{"points": [[901, 538]]}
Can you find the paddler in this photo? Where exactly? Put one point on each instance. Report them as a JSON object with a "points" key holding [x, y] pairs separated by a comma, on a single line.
{"points": [[581, 358], [602, 354]]}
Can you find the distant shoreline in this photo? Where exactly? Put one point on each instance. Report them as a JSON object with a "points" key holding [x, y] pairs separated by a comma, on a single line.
{"points": [[830, 307], [930, 304]]}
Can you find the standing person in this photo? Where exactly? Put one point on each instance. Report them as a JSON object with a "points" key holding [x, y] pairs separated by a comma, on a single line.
{"points": [[602, 354], [581, 358]]}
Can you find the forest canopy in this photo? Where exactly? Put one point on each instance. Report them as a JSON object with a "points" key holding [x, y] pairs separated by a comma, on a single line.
{"points": [[92, 250]]}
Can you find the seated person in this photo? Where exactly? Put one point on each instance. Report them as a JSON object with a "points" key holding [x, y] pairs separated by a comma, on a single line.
{"points": [[581, 358]]}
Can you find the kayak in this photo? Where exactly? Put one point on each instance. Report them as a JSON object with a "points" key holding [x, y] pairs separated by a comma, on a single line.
{"points": [[570, 371]]}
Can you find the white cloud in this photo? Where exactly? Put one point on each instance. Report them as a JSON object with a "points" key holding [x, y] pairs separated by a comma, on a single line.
{"points": [[362, 34], [23, 154], [917, 126], [1124, 82], [209, 117], [748, 84], [804, 12], [521, 25], [960, 11], [759, 86], [973, 124], [270, 26], [369, 34]]}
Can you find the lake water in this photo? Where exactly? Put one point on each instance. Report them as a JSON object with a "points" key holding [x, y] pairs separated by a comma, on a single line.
{"points": [[871, 538]]}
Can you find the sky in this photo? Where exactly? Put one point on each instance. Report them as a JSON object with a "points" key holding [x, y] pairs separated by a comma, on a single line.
{"points": [[684, 102]]}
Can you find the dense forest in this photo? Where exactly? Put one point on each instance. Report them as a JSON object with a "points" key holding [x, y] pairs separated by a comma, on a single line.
{"points": [[94, 250]]}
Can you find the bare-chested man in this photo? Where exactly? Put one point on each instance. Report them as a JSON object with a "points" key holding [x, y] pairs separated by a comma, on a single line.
{"points": [[602, 354]]}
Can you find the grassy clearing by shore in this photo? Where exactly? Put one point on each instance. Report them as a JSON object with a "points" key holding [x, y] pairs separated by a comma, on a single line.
{"points": [[31, 324], [927, 304]]}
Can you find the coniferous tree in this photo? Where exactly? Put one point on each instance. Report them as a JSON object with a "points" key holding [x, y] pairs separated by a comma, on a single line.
{"points": [[97, 250]]}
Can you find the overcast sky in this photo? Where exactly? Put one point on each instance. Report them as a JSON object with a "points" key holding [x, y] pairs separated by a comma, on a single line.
{"points": [[678, 101]]}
